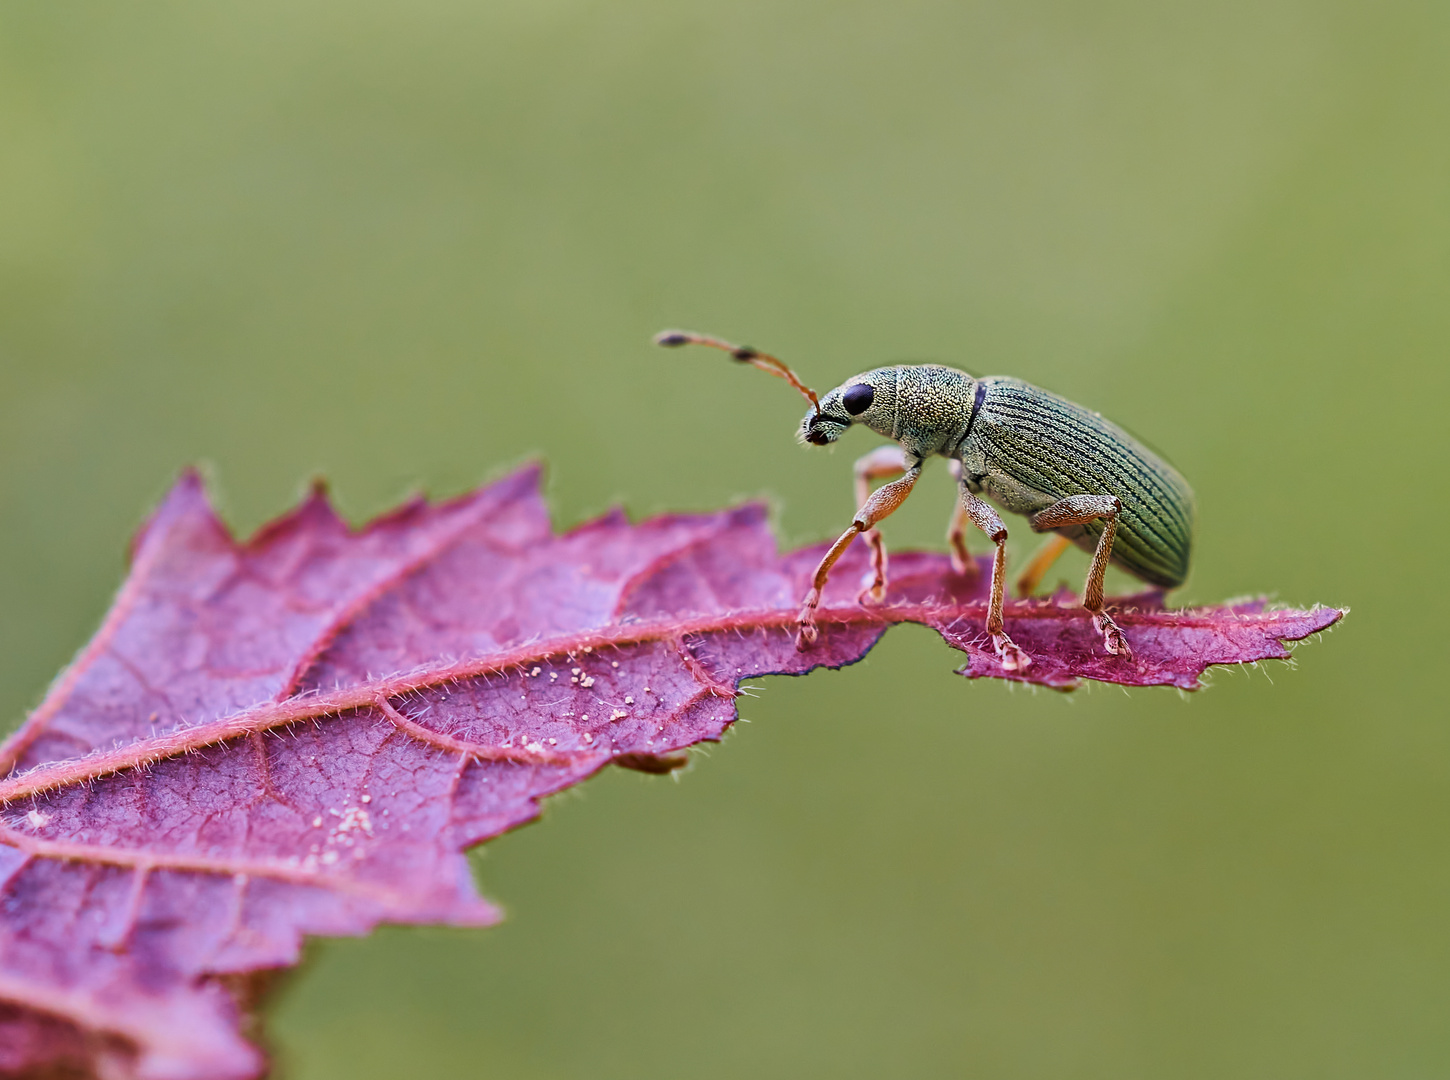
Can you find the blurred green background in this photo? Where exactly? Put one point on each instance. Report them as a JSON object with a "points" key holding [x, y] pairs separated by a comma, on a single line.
{"points": [[406, 245]]}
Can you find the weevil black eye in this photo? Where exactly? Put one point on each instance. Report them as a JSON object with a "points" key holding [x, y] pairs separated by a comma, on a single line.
{"points": [[857, 399]]}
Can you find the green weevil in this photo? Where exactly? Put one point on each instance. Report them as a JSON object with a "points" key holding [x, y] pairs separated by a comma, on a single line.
{"points": [[1072, 472]]}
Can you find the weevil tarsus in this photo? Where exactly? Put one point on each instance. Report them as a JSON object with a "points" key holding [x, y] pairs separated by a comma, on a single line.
{"points": [[1068, 470]]}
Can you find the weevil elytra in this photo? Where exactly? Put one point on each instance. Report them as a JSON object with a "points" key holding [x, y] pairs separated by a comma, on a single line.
{"points": [[1073, 473]]}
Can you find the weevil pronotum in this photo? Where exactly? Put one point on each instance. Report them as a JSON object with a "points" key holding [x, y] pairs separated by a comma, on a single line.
{"points": [[1073, 473]]}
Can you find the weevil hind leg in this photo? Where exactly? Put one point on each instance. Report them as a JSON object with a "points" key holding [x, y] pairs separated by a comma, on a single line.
{"points": [[1082, 510], [879, 504], [985, 518], [883, 462], [1041, 562]]}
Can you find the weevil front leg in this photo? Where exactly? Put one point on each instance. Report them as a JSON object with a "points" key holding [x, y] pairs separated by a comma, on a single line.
{"points": [[1082, 510], [878, 465], [880, 504], [986, 519]]}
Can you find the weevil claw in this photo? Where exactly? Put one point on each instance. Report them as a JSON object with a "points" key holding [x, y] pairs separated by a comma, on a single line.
{"points": [[806, 631], [874, 593], [1009, 655], [1113, 638]]}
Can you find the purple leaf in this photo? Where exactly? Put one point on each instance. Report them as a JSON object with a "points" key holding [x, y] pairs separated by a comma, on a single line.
{"points": [[302, 734]]}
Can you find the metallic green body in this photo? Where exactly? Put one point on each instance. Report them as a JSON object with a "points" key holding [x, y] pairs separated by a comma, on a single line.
{"points": [[1026, 449]]}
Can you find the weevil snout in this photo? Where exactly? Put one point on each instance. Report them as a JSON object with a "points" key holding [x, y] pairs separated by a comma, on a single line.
{"points": [[822, 428]]}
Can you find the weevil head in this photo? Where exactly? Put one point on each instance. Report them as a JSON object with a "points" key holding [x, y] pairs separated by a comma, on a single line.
{"points": [[868, 398]]}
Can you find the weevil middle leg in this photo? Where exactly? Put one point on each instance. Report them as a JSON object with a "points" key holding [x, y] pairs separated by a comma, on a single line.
{"points": [[1082, 510], [882, 502], [987, 519], [962, 561]]}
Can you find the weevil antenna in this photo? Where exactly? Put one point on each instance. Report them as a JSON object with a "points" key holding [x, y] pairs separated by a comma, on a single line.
{"points": [[672, 339]]}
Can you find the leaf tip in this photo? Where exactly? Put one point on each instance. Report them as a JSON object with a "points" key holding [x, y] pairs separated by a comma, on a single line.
{"points": [[187, 497]]}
